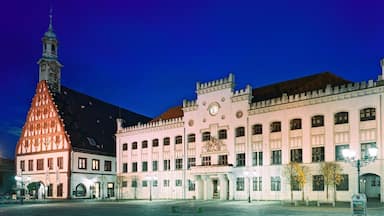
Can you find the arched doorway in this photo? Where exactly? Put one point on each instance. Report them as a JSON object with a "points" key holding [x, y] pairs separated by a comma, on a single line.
{"points": [[81, 191], [36, 190], [370, 185]]}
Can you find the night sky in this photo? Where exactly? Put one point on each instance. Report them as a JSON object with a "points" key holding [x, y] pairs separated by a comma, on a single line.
{"points": [[147, 56]]}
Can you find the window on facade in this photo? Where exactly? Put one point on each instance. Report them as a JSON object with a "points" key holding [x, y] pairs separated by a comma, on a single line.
{"points": [[240, 184], [295, 124], [295, 184], [80, 190], [167, 165], [341, 118], [40, 164], [191, 162], [134, 167], [50, 190], [257, 129], [110, 189], [178, 140], [95, 164], [22, 165], [155, 142], [318, 154], [179, 164], [30, 165], [59, 190], [240, 160], [257, 158], [275, 183], [125, 167], [144, 183], [275, 127], [318, 183], [191, 185], [191, 138], [367, 114], [124, 184], [144, 144], [364, 150], [240, 132], [144, 166], [223, 134], [134, 145], [166, 141], [318, 121], [125, 146], [82, 163], [344, 184], [276, 157], [223, 159], [206, 161], [206, 136], [50, 163], [60, 162], [166, 182], [154, 183], [257, 183], [154, 165], [134, 183], [107, 165], [297, 155], [339, 152], [178, 183]]}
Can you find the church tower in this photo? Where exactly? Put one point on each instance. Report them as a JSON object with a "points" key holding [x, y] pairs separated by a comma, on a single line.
{"points": [[49, 66]]}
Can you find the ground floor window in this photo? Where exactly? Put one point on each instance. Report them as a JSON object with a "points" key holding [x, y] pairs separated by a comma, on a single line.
{"points": [[344, 184], [257, 183], [318, 183], [49, 190], [191, 185], [240, 184], [275, 183], [80, 190], [59, 190], [110, 189]]}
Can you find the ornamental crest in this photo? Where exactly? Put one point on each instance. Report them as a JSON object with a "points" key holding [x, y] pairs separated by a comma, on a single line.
{"points": [[214, 145]]}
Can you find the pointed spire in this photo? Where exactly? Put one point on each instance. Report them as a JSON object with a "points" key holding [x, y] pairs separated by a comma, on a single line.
{"points": [[50, 28]]}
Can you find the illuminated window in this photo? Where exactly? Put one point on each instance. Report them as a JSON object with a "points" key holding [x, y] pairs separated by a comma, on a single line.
{"points": [[82, 163], [339, 151], [95, 164]]}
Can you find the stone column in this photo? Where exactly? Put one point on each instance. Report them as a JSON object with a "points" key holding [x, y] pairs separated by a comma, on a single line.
{"points": [[232, 184], [223, 182], [206, 186]]}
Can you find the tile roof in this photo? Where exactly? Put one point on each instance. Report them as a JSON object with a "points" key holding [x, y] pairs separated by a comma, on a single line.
{"points": [[296, 86], [90, 122], [171, 113]]}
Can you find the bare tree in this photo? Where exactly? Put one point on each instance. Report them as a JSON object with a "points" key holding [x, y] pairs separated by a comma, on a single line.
{"points": [[296, 176], [332, 176]]}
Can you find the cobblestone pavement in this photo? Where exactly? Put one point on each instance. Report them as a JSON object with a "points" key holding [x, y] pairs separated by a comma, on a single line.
{"points": [[174, 208]]}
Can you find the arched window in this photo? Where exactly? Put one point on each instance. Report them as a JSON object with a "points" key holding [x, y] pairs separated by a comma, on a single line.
{"points": [[341, 118], [239, 132], [80, 190], [275, 126], [367, 114], [295, 124]]}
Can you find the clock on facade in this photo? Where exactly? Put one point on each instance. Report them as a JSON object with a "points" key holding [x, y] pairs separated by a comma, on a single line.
{"points": [[213, 108]]}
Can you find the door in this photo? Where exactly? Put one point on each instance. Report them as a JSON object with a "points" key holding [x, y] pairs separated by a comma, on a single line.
{"points": [[216, 189]]}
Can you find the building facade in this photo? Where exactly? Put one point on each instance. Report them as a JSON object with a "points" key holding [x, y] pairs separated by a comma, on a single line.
{"points": [[236, 144], [67, 145]]}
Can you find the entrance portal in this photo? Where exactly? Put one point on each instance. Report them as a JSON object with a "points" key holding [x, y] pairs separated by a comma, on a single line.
{"points": [[216, 189], [370, 185]]}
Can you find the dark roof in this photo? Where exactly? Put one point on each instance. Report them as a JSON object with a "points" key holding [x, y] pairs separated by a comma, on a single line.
{"points": [[90, 122], [296, 86], [171, 113]]}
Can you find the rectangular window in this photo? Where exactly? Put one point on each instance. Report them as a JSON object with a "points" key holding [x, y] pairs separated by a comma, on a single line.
{"points": [[240, 132], [240, 183], [297, 155], [365, 150], [134, 183], [257, 158], [134, 145], [144, 144], [144, 166], [40, 164], [166, 141], [295, 124], [223, 134], [275, 127], [60, 162], [275, 183], [191, 185], [318, 121], [223, 159], [22, 165], [276, 157], [339, 151], [95, 164], [144, 183], [125, 167], [295, 184], [50, 190], [344, 184], [154, 183], [155, 142], [154, 165], [134, 167], [167, 165], [178, 183], [191, 138], [82, 163], [341, 118], [367, 114], [317, 154], [206, 136], [59, 190], [50, 163], [206, 161], [124, 184], [125, 146], [257, 129], [240, 160], [178, 140], [257, 183], [179, 164], [191, 162], [166, 182], [107, 165], [318, 183]]}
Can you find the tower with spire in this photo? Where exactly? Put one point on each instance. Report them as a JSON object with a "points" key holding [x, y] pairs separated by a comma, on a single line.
{"points": [[49, 66]]}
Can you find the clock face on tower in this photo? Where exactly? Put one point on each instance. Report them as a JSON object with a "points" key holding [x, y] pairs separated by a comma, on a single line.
{"points": [[213, 108]]}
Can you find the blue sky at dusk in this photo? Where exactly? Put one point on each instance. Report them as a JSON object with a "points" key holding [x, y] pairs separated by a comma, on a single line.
{"points": [[147, 56]]}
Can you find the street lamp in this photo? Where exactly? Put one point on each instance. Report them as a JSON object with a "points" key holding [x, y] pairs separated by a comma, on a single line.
{"points": [[249, 175], [350, 156], [150, 178]]}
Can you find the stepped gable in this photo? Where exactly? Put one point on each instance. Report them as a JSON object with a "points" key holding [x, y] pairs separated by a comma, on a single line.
{"points": [[296, 86], [171, 113], [90, 122]]}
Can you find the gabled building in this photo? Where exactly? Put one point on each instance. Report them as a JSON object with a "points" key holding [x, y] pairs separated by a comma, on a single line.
{"points": [[236, 144], [67, 145]]}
